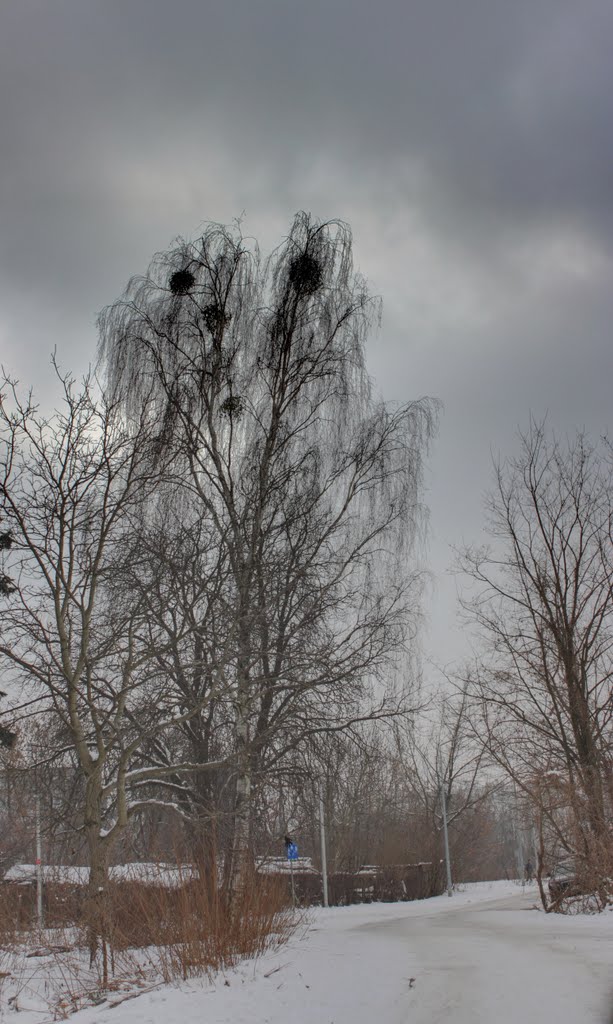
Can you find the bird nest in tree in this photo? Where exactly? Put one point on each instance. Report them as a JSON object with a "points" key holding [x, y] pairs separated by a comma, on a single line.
{"points": [[7, 737], [7, 586], [306, 273], [6, 540], [215, 317], [181, 282], [232, 406]]}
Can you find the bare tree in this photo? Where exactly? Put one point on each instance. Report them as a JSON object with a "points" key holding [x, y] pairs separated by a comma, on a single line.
{"points": [[441, 752], [178, 576], [543, 601], [311, 486], [73, 487]]}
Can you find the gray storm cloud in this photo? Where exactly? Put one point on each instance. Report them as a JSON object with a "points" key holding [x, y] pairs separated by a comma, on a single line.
{"points": [[468, 144]]}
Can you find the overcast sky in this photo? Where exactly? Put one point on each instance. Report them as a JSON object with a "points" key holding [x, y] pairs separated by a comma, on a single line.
{"points": [[469, 143]]}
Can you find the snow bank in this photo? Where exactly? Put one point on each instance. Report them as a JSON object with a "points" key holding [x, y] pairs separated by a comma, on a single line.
{"points": [[167, 875]]}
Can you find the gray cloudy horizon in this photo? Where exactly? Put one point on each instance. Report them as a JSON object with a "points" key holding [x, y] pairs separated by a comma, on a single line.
{"points": [[469, 145]]}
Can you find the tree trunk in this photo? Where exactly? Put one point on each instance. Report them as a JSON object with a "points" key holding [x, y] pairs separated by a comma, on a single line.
{"points": [[241, 825], [241, 843], [97, 908], [540, 858]]}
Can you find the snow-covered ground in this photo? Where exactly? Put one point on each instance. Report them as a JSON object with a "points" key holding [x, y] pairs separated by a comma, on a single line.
{"points": [[483, 956]]}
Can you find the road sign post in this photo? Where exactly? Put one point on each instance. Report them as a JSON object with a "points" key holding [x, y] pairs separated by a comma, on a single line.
{"points": [[322, 837], [291, 852], [446, 839]]}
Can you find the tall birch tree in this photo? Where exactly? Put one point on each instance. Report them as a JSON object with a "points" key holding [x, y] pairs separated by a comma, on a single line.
{"points": [[310, 484]]}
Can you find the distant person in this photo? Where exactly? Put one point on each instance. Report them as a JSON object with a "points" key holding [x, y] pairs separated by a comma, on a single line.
{"points": [[529, 870]]}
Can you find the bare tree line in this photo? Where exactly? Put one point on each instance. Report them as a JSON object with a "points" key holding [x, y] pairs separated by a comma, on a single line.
{"points": [[210, 590]]}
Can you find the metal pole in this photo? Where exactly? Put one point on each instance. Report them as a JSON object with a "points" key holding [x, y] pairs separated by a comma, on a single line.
{"points": [[446, 839], [39, 868], [291, 871], [519, 851], [322, 838]]}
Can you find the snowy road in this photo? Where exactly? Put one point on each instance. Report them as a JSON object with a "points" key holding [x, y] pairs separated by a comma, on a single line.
{"points": [[485, 956], [506, 963]]}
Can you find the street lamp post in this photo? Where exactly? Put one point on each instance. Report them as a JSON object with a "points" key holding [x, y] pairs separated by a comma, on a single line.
{"points": [[322, 838], [446, 840]]}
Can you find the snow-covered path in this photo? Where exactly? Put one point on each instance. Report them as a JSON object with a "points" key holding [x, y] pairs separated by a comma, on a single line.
{"points": [[485, 956], [506, 963]]}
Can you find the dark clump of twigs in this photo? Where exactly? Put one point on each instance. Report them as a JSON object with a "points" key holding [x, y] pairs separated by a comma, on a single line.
{"points": [[7, 587], [232, 406], [306, 273], [6, 541], [181, 282], [8, 738], [215, 317]]}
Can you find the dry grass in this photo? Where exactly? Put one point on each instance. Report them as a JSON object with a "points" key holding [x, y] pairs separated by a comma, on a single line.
{"points": [[193, 930], [153, 934]]}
